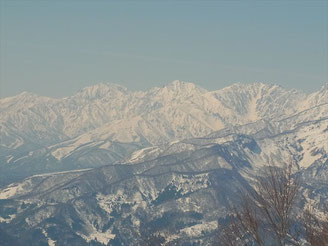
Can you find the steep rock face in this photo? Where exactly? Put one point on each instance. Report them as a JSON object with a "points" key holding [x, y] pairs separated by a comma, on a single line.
{"points": [[252, 102]]}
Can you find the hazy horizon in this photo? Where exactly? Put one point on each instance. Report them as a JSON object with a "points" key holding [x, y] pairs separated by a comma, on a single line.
{"points": [[159, 85], [56, 48]]}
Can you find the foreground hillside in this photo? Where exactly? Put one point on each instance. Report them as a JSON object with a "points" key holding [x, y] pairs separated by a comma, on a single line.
{"points": [[181, 189]]}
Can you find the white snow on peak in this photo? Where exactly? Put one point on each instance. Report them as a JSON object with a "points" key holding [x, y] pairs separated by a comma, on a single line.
{"points": [[324, 87], [178, 110], [100, 90], [181, 85]]}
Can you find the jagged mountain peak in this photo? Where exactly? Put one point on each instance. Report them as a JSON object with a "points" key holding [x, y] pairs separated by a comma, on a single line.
{"points": [[179, 84], [324, 87], [317, 98], [100, 90], [27, 94], [177, 90], [25, 98], [256, 86], [257, 101]]}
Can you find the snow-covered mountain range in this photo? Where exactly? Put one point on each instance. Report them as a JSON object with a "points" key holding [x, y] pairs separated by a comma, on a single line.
{"points": [[99, 166], [105, 123]]}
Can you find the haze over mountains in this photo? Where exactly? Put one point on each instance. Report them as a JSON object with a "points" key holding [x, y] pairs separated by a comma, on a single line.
{"points": [[113, 121], [176, 153]]}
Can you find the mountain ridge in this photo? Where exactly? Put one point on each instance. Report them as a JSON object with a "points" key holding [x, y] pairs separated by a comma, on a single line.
{"points": [[113, 122]]}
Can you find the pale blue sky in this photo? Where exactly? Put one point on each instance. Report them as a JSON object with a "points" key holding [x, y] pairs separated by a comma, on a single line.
{"points": [[54, 48]]}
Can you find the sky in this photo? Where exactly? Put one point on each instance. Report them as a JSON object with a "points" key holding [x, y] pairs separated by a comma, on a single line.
{"points": [[55, 48]]}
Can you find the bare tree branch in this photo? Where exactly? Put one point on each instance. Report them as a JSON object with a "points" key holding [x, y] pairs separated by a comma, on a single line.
{"points": [[265, 214]]}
